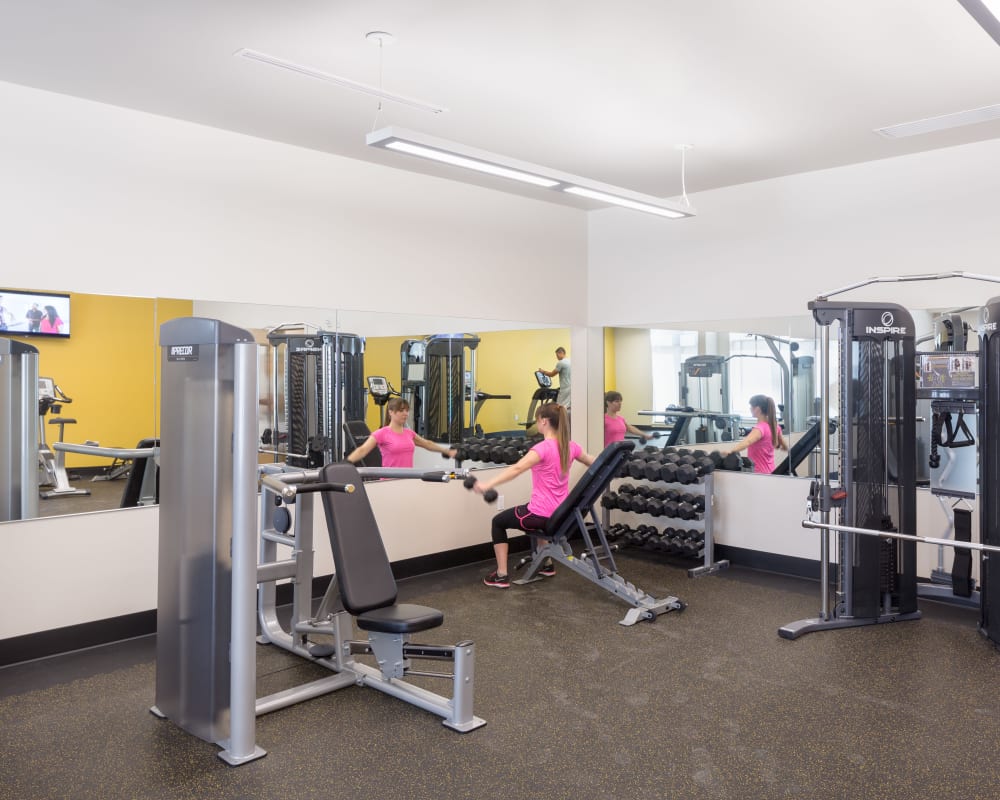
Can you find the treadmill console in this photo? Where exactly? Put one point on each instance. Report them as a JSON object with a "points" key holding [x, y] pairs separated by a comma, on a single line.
{"points": [[378, 386]]}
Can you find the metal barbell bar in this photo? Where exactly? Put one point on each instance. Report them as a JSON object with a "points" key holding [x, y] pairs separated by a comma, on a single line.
{"points": [[808, 523]]}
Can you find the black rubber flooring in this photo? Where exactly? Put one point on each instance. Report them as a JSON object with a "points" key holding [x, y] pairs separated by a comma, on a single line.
{"points": [[708, 703]]}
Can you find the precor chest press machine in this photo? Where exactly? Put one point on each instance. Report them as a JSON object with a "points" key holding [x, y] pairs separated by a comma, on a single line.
{"points": [[209, 572]]}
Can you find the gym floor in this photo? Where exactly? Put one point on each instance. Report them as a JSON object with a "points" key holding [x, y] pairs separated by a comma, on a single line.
{"points": [[708, 703], [104, 495]]}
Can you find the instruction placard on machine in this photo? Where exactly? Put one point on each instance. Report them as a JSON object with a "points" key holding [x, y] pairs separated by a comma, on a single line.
{"points": [[948, 373]]}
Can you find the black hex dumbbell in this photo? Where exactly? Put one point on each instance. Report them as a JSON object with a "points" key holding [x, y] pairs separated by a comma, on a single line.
{"points": [[692, 544], [704, 465], [696, 500], [647, 532], [685, 510], [624, 501], [629, 536], [637, 468], [686, 473], [732, 462], [651, 471], [489, 495], [670, 543], [638, 504]]}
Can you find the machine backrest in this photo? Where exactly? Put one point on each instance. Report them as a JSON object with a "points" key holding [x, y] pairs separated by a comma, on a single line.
{"points": [[590, 487], [364, 575], [800, 451], [356, 431], [133, 484]]}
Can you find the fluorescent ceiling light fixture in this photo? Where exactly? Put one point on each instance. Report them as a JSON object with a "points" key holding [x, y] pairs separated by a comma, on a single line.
{"points": [[460, 155], [944, 122], [621, 201], [337, 80], [469, 163], [986, 13]]}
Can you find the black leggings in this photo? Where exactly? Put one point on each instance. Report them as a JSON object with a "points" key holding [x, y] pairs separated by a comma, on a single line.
{"points": [[516, 518]]}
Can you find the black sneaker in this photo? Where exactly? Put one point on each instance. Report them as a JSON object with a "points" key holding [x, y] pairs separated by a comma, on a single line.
{"points": [[499, 581], [548, 569]]}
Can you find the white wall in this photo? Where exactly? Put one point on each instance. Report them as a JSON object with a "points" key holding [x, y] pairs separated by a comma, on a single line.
{"points": [[765, 249], [63, 571], [102, 199]]}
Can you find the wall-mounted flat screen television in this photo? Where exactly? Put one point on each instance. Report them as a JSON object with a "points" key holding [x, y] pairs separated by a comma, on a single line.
{"points": [[34, 314]]}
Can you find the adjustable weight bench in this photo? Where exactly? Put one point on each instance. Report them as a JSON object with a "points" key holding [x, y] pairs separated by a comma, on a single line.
{"points": [[368, 593], [568, 519]]}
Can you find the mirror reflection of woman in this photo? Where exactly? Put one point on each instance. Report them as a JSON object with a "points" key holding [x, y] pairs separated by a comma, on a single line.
{"points": [[395, 441], [764, 437], [615, 426]]}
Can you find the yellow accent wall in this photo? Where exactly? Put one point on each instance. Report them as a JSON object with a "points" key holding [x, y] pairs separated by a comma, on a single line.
{"points": [[610, 368], [109, 366], [505, 364]]}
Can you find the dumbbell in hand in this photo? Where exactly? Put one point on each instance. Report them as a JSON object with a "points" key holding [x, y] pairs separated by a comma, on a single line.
{"points": [[489, 495]]}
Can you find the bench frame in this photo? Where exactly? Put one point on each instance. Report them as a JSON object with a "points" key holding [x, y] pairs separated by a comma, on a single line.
{"points": [[596, 563]]}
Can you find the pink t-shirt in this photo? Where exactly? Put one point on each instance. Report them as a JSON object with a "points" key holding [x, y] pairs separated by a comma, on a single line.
{"points": [[549, 484], [614, 429], [761, 452], [396, 448]]}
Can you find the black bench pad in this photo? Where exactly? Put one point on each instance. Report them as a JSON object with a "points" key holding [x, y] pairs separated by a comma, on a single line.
{"points": [[403, 618]]}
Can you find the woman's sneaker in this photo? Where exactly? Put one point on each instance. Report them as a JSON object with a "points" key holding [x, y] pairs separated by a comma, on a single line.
{"points": [[499, 581], [548, 569]]}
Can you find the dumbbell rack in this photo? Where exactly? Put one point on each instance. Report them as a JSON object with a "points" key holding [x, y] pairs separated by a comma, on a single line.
{"points": [[703, 520]]}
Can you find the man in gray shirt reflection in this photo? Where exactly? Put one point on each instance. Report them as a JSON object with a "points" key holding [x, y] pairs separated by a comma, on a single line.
{"points": [[562, 370]]}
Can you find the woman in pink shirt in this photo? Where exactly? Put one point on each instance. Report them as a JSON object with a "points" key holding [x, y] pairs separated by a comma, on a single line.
{"points": [[615, 427], [549, 462], [764, 437], [51, 323], [395, 441]]}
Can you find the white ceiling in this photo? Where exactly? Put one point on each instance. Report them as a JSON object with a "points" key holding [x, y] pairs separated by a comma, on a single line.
{"points": [[761, 88]]}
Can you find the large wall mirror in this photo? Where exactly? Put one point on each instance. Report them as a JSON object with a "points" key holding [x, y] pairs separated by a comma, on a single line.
{"points": [[109, 367]]}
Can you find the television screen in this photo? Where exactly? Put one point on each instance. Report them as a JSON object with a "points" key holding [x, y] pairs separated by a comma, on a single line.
{"points": [[34, 313]]}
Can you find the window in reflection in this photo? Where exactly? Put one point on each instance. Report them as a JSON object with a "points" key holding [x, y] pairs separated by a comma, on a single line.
{"points": [[669, 349], [754, 369]]}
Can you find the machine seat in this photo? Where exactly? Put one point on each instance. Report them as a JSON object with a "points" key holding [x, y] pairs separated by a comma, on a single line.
{"points": [[405, 618], [364, 575]]}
